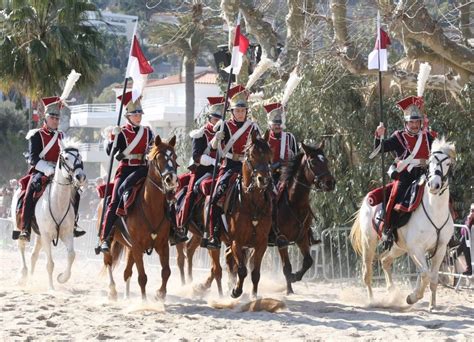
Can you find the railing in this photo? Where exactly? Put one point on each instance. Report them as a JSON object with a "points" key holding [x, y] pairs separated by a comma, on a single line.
{"points": [[93, 108], [87, 147]]}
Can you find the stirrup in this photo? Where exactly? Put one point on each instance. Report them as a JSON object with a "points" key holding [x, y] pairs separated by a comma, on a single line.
{"points": [[213, 243], [24, 235], [78, 233], [105, 246], [281, 242], [387, 241]]}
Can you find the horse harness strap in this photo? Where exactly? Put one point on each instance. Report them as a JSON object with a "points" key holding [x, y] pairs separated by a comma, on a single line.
{"points": [[438, 230], [152, 232], [58, 225]]}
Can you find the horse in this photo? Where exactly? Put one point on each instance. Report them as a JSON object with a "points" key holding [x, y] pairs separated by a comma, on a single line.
{"points": [[294, 215], [54, 214], [147, 224], [249, 222], [429, 229]]}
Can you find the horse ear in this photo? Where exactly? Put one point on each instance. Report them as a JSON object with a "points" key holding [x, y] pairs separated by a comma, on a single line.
{"points": [[254, 136], [267, 135], [172, 141], [322, 144], [304, 148], [157, 140]]}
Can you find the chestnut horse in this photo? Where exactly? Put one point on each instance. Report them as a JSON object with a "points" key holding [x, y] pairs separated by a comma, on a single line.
{"points": [[250, 221], [308, 168], [147, 225]]}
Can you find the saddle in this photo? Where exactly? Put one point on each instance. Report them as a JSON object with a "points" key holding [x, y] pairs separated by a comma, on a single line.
{"points": [[128, 197], [400, 204], [228, 200]]}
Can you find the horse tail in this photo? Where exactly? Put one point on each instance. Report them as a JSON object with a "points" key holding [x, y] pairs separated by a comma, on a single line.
{"points": [[116, 252], [356, 234]]}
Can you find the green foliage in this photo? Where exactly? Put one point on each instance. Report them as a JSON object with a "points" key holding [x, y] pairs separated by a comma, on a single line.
{"points": [[42, 41], [13, 127]]}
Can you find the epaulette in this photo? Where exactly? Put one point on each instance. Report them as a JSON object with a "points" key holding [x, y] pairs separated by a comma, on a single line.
{"points": [[197, 133], [31, 132]]}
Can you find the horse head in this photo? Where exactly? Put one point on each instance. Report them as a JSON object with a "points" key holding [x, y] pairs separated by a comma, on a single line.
{"points": [[163, 166], [443, 155], [256, 165], [70, 163], [316, 167]]}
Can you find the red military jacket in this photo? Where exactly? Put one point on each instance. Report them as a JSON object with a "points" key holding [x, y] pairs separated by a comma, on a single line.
{"points": [[290, 148], [38, 140], [136, 156], [230, 129]]}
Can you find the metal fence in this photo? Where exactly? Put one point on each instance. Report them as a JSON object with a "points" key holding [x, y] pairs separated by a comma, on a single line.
{"points": [[334, 259]]}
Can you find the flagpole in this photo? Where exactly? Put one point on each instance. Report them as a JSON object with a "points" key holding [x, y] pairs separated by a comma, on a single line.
{"points": [[114, 145], [382, 119], [216, 163], [221, 129]]}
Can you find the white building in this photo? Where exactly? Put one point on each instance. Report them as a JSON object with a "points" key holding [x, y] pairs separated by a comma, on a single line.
{"points": [[164, 107], [115, 23]]}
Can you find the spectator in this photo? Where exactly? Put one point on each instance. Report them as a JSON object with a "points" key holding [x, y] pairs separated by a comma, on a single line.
{"points": [[463, 248]]}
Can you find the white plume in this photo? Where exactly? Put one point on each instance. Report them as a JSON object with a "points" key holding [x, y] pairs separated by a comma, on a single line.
{"points": [[290, 86], [264, 64], [423, 75], [70, 82]]}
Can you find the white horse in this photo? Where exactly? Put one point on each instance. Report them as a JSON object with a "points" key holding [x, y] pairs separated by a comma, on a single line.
{"points": [[429, 229], [54, 213]]}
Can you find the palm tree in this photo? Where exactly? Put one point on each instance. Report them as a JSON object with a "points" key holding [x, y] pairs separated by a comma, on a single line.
{"points": [[188, 37], [41, 41]]}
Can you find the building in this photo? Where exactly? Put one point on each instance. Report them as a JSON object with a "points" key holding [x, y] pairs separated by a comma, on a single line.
{"points": [[164, 106], [115, 23]]}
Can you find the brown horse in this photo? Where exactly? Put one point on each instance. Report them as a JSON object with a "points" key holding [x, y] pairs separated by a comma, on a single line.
{"points": [[249, 221], [147, 225], [308, 168]]}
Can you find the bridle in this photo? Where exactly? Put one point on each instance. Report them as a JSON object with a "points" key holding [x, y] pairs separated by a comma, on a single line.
{"points": [[260, 167], [170, 168], [77, 163], [317, 177], [439, 171]]}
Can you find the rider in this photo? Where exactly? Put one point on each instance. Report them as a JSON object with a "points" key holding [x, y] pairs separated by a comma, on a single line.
{"points": [[43, 154], [231, 138], [284, 147], [203, 157], [412, 147]]}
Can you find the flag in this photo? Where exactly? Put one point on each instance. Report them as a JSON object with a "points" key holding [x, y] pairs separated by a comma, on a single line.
{"points": [[378, 57], [138, 69], [241, 43]]}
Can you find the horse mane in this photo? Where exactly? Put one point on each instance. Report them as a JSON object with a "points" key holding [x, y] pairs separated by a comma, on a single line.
{"points": [[444, 146]]}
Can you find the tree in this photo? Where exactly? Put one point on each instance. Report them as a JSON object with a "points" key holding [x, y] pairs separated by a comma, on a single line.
{"points": [[42, 41], [187, 37]]}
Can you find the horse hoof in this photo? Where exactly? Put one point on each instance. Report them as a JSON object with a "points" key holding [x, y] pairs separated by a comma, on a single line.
{"points": [[290, 292], [409, 300], [236, 293], [113, 296], [160, 296], [62, 278]]}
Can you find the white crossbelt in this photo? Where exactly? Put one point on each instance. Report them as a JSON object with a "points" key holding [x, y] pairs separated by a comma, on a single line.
{"points": [[49, 145], [134, 143]]}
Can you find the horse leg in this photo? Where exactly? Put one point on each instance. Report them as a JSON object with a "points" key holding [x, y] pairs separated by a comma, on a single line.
{"points": [[108, 261], [127, 273], [191, 247], [24, 268], [71, 255], [285, 259], [418, 257], [435, 265], [231, 268], [307, 260], [387, 261], [241, 269], [257, 262], [142, 278], [50, 263], [180, 261], [35, 254], [217, 269], [164, 253]]}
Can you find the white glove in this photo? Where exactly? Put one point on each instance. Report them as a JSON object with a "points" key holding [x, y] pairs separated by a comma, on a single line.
{"points": [[45, 167], [218, 137], [206, 160], [116, 130]]}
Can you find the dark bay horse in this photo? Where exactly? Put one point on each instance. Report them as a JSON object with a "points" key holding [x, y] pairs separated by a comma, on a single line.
{"points": [[147, 224], [308, 168], [250, 220]]}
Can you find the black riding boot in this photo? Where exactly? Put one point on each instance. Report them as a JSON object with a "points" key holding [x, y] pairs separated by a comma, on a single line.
{"points": [[275, 238], [177, 235], [77, 231], [214, 241]]}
